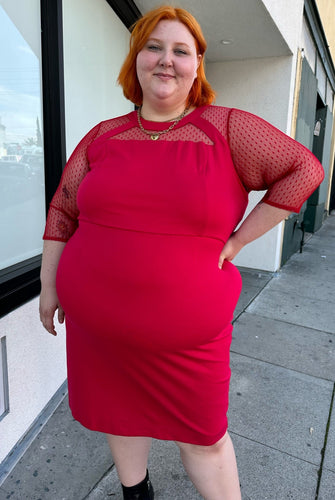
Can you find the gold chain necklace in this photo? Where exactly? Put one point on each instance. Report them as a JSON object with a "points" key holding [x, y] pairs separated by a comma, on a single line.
{"points": [[156, 135]]}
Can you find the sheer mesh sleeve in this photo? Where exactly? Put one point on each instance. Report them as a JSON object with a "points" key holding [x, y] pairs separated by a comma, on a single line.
{"points": [[267, 159], [63, 211]]}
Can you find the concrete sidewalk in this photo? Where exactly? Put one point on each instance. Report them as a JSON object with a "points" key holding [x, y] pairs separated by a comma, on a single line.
{"points": [[282, 393]]}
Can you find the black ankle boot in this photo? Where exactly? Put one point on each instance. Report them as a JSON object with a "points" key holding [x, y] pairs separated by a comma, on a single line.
{"points": [[141, 491]]}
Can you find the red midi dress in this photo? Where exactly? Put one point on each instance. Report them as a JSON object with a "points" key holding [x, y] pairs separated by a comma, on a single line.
{"points": [[148, 311]]}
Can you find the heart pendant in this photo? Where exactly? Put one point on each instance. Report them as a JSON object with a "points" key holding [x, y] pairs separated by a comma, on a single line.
{"points": [[154, 137]]}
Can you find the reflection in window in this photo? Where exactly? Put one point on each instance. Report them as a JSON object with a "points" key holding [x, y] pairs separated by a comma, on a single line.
{"points": [[22, 205]]}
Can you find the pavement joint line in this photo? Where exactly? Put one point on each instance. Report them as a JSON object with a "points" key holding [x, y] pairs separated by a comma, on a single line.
{"points": [[253, 298], [288, 322], [95, 486], [232, 433], [282, 292], [283, 321], [272, 363], [323, 451]]}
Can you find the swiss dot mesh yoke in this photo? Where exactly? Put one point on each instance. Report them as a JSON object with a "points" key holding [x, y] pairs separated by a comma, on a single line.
{"points": [[264, 158]]}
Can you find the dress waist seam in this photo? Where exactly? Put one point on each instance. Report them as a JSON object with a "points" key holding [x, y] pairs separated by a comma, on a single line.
{"points": [[158, 233]]}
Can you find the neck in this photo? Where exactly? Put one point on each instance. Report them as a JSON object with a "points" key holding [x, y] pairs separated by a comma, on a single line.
{"points": [[161, 114]]}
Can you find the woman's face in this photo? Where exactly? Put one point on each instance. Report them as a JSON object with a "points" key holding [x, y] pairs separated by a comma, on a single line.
{"points": [[167, 65]]}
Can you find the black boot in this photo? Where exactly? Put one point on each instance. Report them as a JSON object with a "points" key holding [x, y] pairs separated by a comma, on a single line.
{"points": [[141, 491]]}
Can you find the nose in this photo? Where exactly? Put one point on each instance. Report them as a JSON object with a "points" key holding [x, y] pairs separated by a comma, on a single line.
{"points": [[166, 59]]}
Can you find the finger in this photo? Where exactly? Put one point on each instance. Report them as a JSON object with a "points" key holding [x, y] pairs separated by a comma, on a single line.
{"points": [[50, 329], [221, 260], [61, 315], [48, 324]]}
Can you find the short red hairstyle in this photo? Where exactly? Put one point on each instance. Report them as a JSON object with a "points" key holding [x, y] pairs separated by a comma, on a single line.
{"points": [[201, 92]]}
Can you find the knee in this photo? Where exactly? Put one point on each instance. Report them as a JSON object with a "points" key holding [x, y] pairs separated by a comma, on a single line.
{"points": [[213, 449]]}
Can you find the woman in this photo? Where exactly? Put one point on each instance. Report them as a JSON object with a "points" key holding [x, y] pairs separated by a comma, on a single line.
{"points": [[141, 234]]}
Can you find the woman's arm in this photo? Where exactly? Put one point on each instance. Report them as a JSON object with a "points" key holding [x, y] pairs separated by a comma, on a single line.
{"points": [[49, 303], [62, 220], [267, 159], [260, 220], [60, 225]]}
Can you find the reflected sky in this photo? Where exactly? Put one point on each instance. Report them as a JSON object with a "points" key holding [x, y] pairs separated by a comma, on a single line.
{"points": [[20, 101], [22, 193]]}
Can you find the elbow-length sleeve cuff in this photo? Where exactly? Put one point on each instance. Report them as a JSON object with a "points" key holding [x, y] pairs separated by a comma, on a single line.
{"points": [[60, 226]]}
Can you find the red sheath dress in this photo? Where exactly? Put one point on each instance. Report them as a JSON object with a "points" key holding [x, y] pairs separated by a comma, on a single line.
{"points": [[148, 312]]}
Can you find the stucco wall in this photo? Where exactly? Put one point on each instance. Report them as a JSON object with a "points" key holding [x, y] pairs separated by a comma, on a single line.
{"points": [[95, 45], [287, 15], [36, 369], [264, 87]]}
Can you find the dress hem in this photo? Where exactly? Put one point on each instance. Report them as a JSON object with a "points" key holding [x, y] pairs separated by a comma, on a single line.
{"points": [[154, 435]]}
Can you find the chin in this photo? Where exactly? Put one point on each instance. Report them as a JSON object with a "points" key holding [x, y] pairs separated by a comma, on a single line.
{"points": [[164, 94]]}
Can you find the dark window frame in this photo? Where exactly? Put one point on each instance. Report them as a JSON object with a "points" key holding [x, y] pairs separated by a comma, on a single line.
{"points": [[21, 282]]}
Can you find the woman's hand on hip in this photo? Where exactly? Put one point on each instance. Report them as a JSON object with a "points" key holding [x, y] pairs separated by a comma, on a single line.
{"points": [[49, 304], [230, 250]]}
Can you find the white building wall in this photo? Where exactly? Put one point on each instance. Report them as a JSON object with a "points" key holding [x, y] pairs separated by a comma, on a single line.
{"points": [[36, 369], [287, 15], [95, 45], [264, 87]]}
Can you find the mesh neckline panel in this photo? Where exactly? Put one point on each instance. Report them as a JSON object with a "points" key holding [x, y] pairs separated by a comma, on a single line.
{"points": [[187, 132]]}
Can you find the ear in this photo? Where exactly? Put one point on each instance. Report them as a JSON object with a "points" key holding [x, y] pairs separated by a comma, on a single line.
{"points": [[199, 57]]}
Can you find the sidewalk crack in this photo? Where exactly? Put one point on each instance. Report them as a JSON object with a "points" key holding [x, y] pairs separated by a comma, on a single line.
{"points": [[99, 481], [323, 451]]}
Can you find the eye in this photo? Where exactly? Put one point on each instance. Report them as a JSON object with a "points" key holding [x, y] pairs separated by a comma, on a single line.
{"points": [[180, 52], [153, 47]]}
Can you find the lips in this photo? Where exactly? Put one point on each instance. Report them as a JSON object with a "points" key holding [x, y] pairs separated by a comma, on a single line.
{"points": [[164, 76]]}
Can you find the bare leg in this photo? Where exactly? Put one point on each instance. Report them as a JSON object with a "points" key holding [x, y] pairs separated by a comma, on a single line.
{"points": [[130, 455], [212, 469]]}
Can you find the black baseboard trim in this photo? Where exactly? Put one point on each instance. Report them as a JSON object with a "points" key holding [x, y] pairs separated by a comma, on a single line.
{"points": [[8, 464]]}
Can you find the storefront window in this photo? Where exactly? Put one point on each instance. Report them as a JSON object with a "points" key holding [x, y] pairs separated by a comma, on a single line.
{"points": [[308, 46], [321, 78], [330, 97], [22, 191]]}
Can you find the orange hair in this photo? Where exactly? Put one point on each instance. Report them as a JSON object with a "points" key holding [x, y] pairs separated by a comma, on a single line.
{"points": [[201, 92]]}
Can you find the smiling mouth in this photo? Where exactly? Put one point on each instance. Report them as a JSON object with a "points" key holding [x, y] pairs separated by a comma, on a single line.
{"points": [[164, 76]]}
